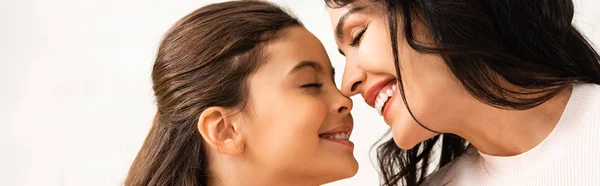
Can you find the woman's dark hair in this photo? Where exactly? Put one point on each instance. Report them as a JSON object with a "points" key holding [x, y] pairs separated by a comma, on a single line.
{"points": [[487, 44], [204, 60]]}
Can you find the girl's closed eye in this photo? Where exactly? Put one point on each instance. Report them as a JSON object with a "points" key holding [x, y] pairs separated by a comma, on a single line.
{"points": [[313, 85]]}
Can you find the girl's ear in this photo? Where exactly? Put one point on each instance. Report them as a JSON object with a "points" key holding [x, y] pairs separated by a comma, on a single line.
{"points": [[219, 131]]}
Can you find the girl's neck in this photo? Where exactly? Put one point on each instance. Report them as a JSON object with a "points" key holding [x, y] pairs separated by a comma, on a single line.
{"points": [[227, 171]]}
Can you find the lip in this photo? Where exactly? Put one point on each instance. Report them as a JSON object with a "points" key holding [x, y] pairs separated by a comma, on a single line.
{"points": [[346, 143], [374, 90]]}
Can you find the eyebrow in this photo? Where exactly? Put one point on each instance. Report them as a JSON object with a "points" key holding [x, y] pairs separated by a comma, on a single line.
{"points": [[339, 29], [310, 64], [307, 64]]}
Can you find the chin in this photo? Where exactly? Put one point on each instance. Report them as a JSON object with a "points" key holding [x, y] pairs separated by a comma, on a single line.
{"points": [[348, 170], [352, 170], [402, 144], [405, 138]]}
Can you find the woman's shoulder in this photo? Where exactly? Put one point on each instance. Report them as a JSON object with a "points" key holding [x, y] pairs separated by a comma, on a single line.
{"points": [[584, 102], [595, 89], [582, 117], [587, 90], [451, 173]]}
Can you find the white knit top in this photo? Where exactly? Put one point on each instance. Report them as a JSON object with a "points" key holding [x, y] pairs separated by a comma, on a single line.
{"points": [[569, 156]]}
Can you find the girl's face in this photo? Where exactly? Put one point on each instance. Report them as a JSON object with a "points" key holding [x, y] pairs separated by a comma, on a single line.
{"points": [[299, 122], [433, 94]]}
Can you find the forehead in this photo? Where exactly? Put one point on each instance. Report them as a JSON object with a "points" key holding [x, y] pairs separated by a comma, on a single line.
{"points": [[297, 45], [336, 13]]}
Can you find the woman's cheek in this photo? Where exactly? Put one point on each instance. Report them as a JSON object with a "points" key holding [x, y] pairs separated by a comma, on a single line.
{"points": [[375, 55]]}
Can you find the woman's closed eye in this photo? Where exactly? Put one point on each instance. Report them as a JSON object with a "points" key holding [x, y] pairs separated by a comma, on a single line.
{"points": [[357, 38]]}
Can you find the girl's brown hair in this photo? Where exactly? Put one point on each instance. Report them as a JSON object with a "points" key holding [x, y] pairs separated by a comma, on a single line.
{"points": [[204, 60]]}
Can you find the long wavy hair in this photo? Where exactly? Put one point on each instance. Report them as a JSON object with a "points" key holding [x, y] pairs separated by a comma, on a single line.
{"points": [[204, 60], [532, 45]]}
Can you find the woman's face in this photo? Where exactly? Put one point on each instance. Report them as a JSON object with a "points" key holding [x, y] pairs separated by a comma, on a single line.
{"points": [[299, 122], [432, 92]]}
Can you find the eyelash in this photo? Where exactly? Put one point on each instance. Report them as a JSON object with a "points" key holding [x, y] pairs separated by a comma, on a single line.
{"points": [[356, 40], [312, 85]]}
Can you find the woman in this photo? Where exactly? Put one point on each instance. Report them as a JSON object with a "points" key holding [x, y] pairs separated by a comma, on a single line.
{"points": [[478, 92], [245, 96]]}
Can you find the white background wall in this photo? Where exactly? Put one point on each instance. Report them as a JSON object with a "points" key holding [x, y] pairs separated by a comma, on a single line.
{"points": [[75, 91]]}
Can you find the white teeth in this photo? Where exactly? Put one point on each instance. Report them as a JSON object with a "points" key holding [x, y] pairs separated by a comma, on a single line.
{"points": [[383, 97], [338, 136], [379, 102], [345, 135]]}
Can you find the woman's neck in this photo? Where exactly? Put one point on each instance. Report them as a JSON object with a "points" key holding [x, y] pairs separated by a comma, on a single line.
{"points": [[501, 132]]}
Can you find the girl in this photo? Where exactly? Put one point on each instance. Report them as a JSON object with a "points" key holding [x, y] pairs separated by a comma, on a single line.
{"points": [[245, 96], [507, 89]]}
